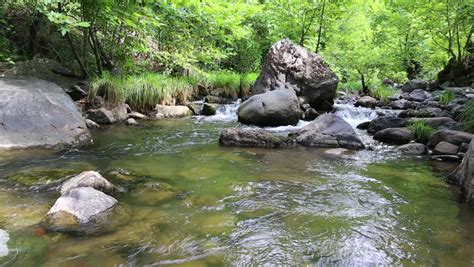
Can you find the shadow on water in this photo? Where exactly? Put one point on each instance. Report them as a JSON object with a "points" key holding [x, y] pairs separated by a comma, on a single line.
{"points": [[192, 202]]}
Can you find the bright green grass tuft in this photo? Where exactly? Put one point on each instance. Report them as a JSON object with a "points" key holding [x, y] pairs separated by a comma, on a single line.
{"points": [[234, 84], [446, 97], [421, 130], [382, 92]]}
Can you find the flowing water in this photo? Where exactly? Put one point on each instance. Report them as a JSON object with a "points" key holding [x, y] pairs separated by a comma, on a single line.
{"points": [[189, 202]]}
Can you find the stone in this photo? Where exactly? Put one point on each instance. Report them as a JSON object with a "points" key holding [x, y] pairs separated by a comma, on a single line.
{"points": [[292, 67], [120, 111], [364, 125], [78, 207], [38, 114], [209, 109], [439, 122], [76, 92], [450, 136], [419, 95], [137, 116], [445, 148], [415, 149], [163, 111], [328, 130], [195, 108], [310, 114], [385, 122], [423, 113], [401, 104], [251, 137], [394, 136], [88, 179], [273, 108], [101, 116], [366, 102], [412, 85], [91, 124], [217, 100], [131, 121], [463, 176]]}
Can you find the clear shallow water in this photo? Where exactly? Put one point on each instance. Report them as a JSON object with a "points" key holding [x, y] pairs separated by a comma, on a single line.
{"points": [[237, 206]]}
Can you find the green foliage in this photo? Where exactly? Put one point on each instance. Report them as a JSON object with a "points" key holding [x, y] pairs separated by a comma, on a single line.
{"points": [[467, 116], [421, 130], [382, 92], [446, 97], [233, 84]]}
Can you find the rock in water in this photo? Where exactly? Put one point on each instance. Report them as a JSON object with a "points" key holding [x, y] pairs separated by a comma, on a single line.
{"points": [[394, 136], [4, 237], [250, 137], [290, 66], [78, 207], [88, 179], [37, 113], [328, 130], [463, 175], [415, 149], [366, 102], [163, 111], [274, 108]]}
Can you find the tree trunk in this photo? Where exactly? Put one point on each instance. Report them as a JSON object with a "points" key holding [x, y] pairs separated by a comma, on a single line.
{"points": [[85, 74], [321, 20]]}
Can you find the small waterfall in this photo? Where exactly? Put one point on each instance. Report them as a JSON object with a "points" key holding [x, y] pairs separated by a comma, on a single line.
{"points": [[354, 115], [224, 113]]}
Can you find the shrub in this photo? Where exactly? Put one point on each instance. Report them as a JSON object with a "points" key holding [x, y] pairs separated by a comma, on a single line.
{"points": [[467, 116], [446, 97], [421, 130], [350, 87]]}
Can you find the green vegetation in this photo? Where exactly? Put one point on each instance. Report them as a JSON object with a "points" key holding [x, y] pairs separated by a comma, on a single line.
{"points": [[233, 84], [467, 116], [446, 97], [382, 92], [421, 130]]}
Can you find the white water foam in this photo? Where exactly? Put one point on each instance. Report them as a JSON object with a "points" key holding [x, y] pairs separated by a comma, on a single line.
{"points": [[354, 115], [224, 113], [4, 237]]}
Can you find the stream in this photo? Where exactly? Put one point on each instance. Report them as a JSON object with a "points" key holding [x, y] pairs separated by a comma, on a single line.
{"points": [[188, 201]]}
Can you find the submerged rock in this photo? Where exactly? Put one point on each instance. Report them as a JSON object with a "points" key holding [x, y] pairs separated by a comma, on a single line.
{"points": [[251, 137], [37, 113], [163, 111], [78, 207], [274, 108], [292, 67], [415, 149], [394, 136], [328, 130], [463, 175], [88, 179]]}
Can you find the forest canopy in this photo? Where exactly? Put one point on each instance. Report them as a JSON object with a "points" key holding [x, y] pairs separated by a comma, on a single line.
{"points": [[362, 41]]}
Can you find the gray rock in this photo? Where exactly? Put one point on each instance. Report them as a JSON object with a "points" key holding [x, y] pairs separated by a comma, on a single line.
{"points": [[367, 102], [120, 111], [78, 207], [172, 111], [217, 100], [328, 130], [195, 108], [37, 113], [131, 121], [463, 147], [419, 95], [450, 136], [137, 116], [401, 104], [101, 116], [251, 137], [415, 149], [385, 122], [209, 109], [273, 108], [91, 124], [423, 113], [310, 114], [290, 66], [76, 92], [394, 136], [445, 148], [412, 85], [364, 125], [463, 176], [88, 179]]}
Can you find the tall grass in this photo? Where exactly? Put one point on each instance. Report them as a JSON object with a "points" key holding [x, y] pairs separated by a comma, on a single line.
{"points": [[382, 92], [467, 116], [446, 97], [233, 84], [421, 130], [350, 87]]}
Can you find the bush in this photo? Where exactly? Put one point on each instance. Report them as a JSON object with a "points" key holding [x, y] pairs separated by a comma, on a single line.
{"points": [[446, 97], [467, 116], [350, 87], [421, 130]]}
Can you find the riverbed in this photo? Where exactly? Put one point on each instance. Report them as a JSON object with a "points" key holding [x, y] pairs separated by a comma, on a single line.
{"points": [[188, 201]]}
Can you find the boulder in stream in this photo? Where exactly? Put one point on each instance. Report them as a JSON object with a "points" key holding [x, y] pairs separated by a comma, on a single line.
{"points": [[385, 122], [36, 113], [366, 102], [88, 179], [450, 136], [394, 136], [274, 108], [292, 67], [328, 130], [414, 149], [163, 111], [251, 137]]}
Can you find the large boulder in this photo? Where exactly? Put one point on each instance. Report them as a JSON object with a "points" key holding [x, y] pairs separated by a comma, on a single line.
{"points": [[290, 66], [77, 208], [274, 108], [463, 175], [328, 130], [394, 136], [385, 122], [450, 136], [88, 179], [251, 137], [37, 113]]}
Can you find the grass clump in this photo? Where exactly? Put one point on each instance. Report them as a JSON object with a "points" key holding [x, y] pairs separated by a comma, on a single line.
{"points": [[421, 130], [467, 116], [350, 87], [382, 92], [234, 85], [446, 97]]}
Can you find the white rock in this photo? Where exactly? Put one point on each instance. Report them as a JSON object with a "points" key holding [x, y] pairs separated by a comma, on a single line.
{"points": [[88, 179]]}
